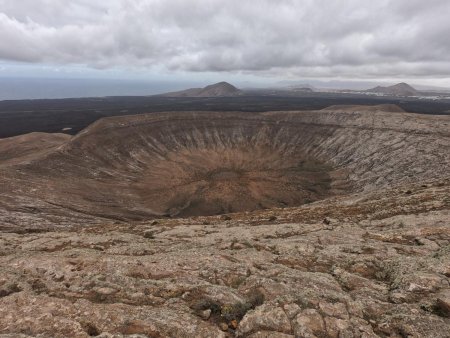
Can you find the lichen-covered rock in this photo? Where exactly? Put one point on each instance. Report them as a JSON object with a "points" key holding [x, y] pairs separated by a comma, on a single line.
{"points": [[309, 323], [265, 317]]}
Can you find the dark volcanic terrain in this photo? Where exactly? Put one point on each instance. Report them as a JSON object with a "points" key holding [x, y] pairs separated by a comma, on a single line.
{"points": [[316, 223], [72, 115]]}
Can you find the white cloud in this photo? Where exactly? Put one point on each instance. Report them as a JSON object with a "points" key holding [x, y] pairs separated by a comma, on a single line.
{"points": [[323, 38]]}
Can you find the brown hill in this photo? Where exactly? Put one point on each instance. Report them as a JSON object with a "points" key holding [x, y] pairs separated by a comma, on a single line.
{"points": [[214, 90], [400, 89]]}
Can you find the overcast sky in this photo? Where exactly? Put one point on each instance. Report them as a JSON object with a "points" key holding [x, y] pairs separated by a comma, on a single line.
{"points": [[221, 39]]}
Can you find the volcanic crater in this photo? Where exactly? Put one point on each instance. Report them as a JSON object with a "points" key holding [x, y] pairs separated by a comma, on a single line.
{"points": [[206, 163]]}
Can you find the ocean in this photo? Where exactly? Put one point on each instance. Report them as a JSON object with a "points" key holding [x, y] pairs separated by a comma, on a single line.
{"points": [[35, 88]]}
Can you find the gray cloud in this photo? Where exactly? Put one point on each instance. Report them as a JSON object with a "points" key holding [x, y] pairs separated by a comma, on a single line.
{"points": [[322, 38]]}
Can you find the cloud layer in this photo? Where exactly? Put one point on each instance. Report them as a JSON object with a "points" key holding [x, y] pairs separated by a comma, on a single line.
{"points": [[310, 38]]}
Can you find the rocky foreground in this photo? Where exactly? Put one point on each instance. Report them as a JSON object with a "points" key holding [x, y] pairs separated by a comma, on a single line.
{"points": [[372, 265]]}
